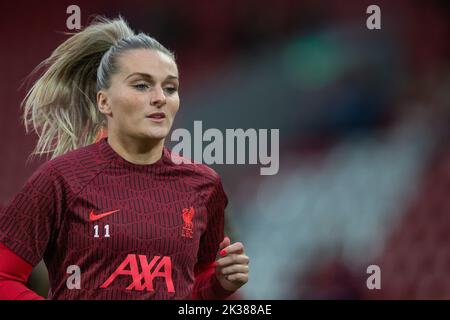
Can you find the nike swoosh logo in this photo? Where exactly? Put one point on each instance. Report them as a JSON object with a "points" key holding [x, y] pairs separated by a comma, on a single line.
{"points": [[95, 217]]}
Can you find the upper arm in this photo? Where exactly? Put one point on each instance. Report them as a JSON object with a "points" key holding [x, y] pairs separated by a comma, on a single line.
{"points": [[13, 267], [28, 222], [215, 203], [14, 273]]}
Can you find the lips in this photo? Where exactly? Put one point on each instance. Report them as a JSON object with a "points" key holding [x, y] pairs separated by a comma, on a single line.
{"points": [[157, 115]]}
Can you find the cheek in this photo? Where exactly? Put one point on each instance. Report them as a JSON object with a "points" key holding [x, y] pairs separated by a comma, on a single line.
{"points": [[174, 106], [128, 105]]}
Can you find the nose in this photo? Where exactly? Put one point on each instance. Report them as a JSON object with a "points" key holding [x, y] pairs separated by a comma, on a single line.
{"points": [[157, 99]]}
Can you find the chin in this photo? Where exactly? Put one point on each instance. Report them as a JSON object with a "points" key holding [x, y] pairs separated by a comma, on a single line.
{"points": [[157, 133]]}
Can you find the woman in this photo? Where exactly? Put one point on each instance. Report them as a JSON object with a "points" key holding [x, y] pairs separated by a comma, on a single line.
{"points": [[116, 218]]}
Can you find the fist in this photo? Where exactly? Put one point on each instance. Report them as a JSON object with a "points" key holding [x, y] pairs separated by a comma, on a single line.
{"points": [[232, 265]]}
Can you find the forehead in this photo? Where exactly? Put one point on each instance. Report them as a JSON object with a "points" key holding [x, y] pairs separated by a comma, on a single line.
{"points": [[149, 61]]}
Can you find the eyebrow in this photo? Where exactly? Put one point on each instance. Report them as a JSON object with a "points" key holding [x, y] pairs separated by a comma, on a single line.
{"points": [[146, 75]]}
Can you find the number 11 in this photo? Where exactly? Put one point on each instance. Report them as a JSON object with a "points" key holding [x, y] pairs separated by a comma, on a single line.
{"points": [[96, 235]]}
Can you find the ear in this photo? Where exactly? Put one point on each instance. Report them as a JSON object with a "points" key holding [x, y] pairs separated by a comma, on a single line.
{"points": [[103, 102]]}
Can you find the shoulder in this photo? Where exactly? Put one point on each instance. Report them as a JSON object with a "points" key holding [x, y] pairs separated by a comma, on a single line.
{"points": [[202, 178], [191, 169], [73, 166], [87, 156]]}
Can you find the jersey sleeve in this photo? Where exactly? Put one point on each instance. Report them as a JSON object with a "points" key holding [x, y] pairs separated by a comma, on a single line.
{"points": [[216, 203], [31, 219], [206, 285], [14, 273]]}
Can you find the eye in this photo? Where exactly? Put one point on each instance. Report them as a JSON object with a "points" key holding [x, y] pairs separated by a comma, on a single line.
{"points": [[141, 86], [171, 90]]}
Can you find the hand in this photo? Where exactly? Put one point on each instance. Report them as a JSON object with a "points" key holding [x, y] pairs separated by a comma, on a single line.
{"points": [[232, 266]]}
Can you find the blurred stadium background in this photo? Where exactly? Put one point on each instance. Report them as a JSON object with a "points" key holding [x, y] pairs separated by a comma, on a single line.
{"points": [[364, 131]]}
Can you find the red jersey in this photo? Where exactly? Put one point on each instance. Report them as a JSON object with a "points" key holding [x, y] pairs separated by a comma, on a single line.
{"points": [[130, 231]]}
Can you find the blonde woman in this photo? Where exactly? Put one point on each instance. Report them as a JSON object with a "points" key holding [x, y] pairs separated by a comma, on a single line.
{"points": [[115, 218]]}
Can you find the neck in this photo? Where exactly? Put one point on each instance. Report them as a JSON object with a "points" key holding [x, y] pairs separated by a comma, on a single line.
{"points": [[145, 151]]}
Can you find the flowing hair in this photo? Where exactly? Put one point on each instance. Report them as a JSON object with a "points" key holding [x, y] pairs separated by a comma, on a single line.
{"points": [[61, 105]]}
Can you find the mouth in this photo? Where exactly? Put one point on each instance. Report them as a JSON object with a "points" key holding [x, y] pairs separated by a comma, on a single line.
{"points": [[157, 116]]}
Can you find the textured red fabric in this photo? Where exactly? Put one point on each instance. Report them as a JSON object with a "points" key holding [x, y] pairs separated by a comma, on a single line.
{"points": [[14, 273], [134, 231]]}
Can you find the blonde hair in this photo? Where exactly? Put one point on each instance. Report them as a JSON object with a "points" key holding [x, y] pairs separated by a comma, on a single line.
{"points": [[61, 105]]}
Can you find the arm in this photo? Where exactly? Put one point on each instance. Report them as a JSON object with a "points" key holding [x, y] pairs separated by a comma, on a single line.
{"points": [[222, 267], [14, 273], [207, 285], [27, 224]]}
